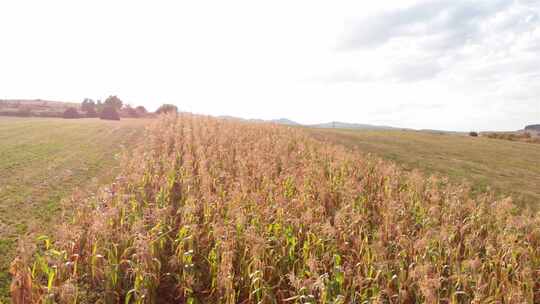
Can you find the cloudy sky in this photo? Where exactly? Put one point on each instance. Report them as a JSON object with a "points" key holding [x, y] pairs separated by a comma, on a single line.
{"points": [[449, 64]]}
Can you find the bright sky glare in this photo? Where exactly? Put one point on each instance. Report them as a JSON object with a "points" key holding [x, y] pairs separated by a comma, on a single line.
{"points": [[447, 64]]}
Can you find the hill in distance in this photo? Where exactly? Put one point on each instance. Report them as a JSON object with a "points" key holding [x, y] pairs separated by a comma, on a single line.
{"points": [[34, 107], [533, 129], [328, 125], [281, 121], [59, 106], [285, 121], [346, 125], [37, 102]]}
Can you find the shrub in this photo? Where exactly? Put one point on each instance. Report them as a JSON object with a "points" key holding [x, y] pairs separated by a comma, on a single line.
{"points": [[49, 114], [90, 113], [109, 113], [24, 112], [167, 108], [71, 113], [128, 111], [473, 134]]}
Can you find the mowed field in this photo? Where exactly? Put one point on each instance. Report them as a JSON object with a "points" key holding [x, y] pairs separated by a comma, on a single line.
{"points": [[43, 161], [506, 167]]}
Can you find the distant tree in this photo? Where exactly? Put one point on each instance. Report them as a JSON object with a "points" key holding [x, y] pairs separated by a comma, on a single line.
{"points": [[473, 134], [88, 106], [167, 108], [109, 113], [129, 111], [141, 111], [71, 113], [114, 102]]}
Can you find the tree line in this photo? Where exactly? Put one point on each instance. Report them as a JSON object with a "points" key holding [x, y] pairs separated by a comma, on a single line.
{"points": [[113, 108]]}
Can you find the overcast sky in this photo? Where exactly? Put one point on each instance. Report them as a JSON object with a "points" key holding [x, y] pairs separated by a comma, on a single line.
{"points": [[450, 64]]}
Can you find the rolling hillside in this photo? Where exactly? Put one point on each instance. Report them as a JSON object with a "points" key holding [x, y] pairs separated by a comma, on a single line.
{"points": [[354, 126], [34, 107]]}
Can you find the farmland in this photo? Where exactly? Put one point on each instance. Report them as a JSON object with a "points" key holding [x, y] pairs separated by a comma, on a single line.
{"points": [[506, 167], [215, 211], [38, 107], [42, 161]]}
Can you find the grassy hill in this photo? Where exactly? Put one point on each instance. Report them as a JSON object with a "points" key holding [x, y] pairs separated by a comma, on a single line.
{"points": [[353, 126], [42, 161], [221, 211], [34, 107], [507, 167]]}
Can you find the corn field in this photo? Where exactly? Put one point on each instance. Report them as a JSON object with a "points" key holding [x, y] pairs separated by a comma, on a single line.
{"points": [[217, 211]]}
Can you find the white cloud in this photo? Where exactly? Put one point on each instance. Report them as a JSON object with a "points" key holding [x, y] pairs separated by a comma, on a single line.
{"points": [[431, 64]]}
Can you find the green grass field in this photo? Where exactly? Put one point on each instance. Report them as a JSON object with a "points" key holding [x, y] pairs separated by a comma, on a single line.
{"points": [[43, 161], [506, 167]]}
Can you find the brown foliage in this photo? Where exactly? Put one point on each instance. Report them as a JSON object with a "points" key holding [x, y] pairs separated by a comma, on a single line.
{"points": [[21, 284], [524, 137]]}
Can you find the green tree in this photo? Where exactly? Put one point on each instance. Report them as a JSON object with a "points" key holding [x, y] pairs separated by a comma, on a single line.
{"points": [[141, 110], [89, 107], [114, 102], [109, 113]]}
